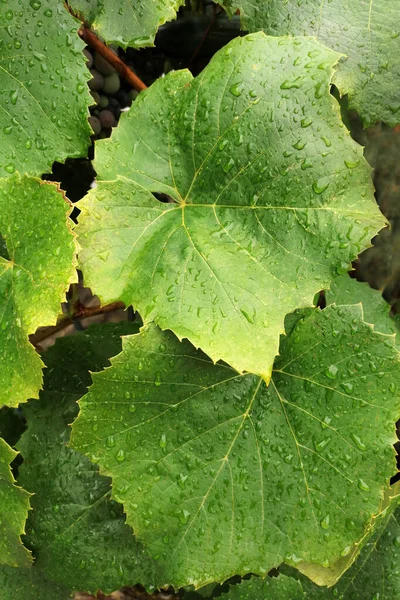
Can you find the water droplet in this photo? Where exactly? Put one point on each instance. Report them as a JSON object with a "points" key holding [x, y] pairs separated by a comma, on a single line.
{"points": [[184, 516], [320, 186], [120, 456], [332, 372], [325, 522], [358, 441], [351, 164], [236, 89], [363, 485], [110, 442]]}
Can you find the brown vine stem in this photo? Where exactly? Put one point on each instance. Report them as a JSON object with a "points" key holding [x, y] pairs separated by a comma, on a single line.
{"points": [[83, 312], [94, 42]]}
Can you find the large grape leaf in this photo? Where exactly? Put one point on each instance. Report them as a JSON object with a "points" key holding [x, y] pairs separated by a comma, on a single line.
{"points": [[76, 531], [126, 23], [345, 290], [14, 506], [367, 32], [39, 266], [44, 97], [271, 198], [29, 584], [235, 476]]}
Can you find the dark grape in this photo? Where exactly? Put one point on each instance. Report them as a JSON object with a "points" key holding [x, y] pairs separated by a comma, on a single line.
{"points": [[133, 94], [107, 118], [89, 58], [103, 101], [123, 98], [97, 81], [114, 106], [111, 84], [95, 125], [102, 65], [96, 97]]}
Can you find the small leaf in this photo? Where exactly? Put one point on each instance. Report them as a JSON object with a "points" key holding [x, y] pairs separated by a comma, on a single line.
{"points": [[33, 278], [366, 32], [128, 23], [235, 476], [345, 290], [43, 81], [76, 531], [266, 211], [14, 506]]}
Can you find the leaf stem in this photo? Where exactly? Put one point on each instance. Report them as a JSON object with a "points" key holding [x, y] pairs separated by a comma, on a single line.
{"points": [[94, 42], [83, 312]]}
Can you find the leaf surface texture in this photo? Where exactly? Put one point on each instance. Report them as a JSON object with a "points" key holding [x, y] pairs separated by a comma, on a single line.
{"points": [[76, 531], [36, 265], [366, 32], [234, 476], [44, 98], [270, 198]]}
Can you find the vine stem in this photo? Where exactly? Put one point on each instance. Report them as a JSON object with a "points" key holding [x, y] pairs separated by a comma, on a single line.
{"points": [[94, 42], [82, 313]]}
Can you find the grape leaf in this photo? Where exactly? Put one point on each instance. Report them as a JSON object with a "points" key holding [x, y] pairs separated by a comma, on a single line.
{"points": [[271, 198], [345, 290], [270, 588], [77, 532], [127, 23], [367, 32], [29, 584], [236, 477], [44, 97], [33, 279], [14, 506]]}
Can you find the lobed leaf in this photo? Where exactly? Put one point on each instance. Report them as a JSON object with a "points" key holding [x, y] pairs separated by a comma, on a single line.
{"points": [[126, 23], [271, 198], [366, 32], [44, 98], [220, 475], [39, 265], [14, 506], [77, 533]]}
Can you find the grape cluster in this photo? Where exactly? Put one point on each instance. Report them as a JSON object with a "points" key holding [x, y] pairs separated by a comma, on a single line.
{"points": [[110, 94]]}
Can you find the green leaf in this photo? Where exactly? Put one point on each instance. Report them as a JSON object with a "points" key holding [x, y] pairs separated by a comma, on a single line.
{"points": [[33, 279], [328, 576], [366, 32], [75, 530], [14, 506], [233, 475], [345, 290], [44, 97], [127, 23], [270, 588], [29, 584], [376, 573], [271, 198]]}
